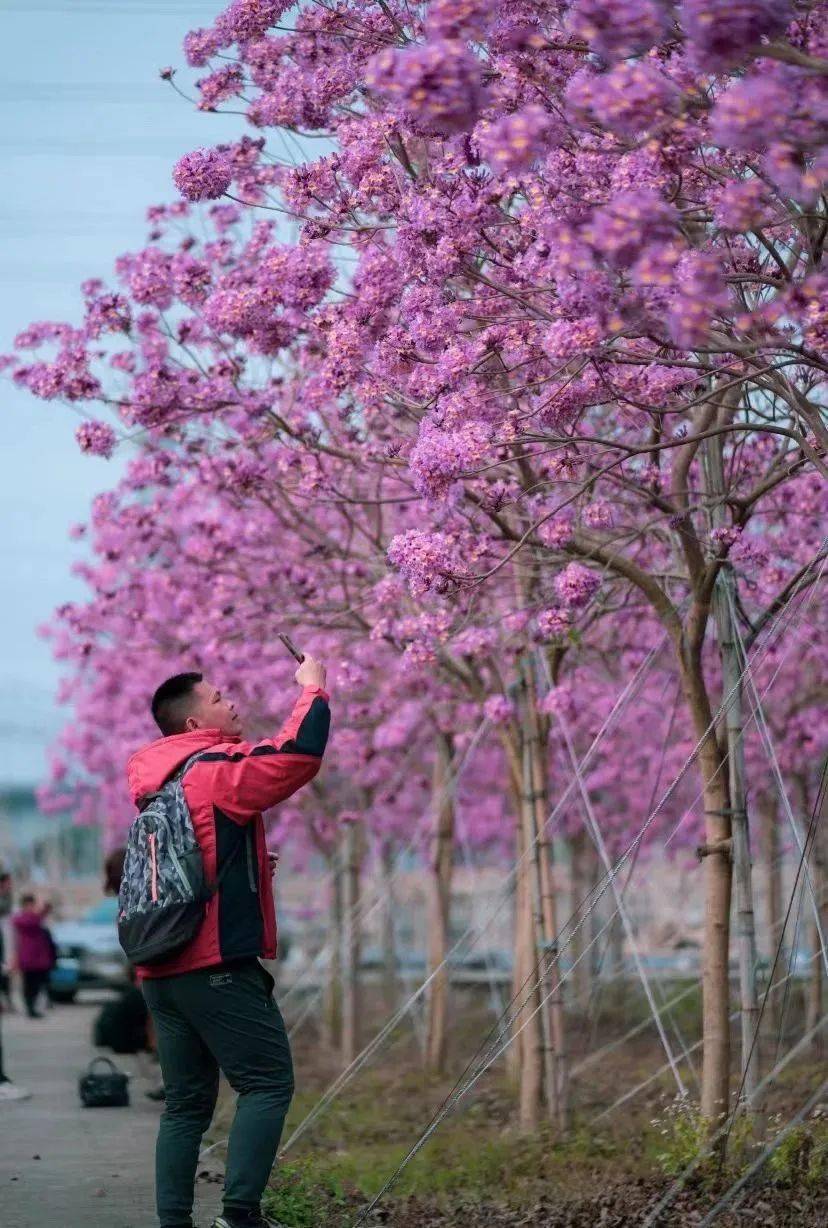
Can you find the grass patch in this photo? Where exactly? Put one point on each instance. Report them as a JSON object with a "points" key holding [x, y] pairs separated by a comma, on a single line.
{"points": [[476, 1157]]}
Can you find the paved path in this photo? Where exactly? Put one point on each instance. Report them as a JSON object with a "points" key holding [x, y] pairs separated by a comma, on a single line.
{"points": [[62, 1164]]}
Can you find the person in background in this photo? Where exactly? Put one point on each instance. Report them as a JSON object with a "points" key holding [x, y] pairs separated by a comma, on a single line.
{"points": [[35, 951], [8, 1090]]}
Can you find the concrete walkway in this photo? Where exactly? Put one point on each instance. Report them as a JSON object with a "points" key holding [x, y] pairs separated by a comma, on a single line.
{"points": [[62, 1164]]}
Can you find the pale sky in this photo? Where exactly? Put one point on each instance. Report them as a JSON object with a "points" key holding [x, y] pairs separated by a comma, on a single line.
{"points": [[88, 136]]}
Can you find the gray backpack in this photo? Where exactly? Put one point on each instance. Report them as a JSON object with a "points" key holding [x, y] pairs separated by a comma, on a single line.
{"points": [[163, 888]]}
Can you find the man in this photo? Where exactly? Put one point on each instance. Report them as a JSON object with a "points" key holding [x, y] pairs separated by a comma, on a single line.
{"points": [[34, 951], [212, 1004]]}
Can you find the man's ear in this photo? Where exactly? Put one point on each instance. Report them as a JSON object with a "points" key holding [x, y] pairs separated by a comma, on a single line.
{"points": [[190, 724]]}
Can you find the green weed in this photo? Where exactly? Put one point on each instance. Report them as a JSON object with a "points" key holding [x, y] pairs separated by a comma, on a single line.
{"points": [[802, 1156], [303, 1197]]}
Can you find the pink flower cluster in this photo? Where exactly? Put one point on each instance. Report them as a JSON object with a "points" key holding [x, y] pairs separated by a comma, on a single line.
{"points": [[428, 561], [576, 585], [440, 457], [436, 86], [499, 709], [554, 622], [515, 141], [619, 31], [203, 174], [96, 438], [723, 32]]}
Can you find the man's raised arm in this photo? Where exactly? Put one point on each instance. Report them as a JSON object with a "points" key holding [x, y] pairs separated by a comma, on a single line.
{"points": [[249, 777]]}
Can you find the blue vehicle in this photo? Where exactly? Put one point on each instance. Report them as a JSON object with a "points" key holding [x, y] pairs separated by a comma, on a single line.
{"points": [[89, 954]]}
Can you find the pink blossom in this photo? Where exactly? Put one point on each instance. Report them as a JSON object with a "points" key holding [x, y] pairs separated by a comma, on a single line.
{"points": [[723, 32], [244, 20], [96, 438], [576, 585], [436, 85], [203, 174], [498, 709], [618, 31], [515, 141], [553, 622], [200, 45], [427, 560], [441, 456]]}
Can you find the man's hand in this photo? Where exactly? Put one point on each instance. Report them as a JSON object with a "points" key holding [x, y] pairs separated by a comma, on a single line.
{"points": [[273, 858], [311, 673]]}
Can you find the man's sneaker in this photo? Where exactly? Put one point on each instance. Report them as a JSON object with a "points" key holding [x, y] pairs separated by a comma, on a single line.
{"points": [[8, 1091], [254, 1220]]}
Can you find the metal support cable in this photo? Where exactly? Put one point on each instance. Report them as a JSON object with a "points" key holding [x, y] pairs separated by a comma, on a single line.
{"points": [[758, 1163], [664, 1202], [770, 749], [600, 844], [457, 1092]]}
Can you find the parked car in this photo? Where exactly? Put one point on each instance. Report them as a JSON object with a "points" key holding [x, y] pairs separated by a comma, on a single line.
{"points": [[89, 955]]}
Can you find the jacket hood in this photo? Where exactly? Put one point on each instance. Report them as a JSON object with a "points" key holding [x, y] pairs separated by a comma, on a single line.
{"points": [[149, 767]]}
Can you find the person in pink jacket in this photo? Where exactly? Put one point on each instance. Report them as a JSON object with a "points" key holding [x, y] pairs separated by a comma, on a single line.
{"points": [[35, 950]]}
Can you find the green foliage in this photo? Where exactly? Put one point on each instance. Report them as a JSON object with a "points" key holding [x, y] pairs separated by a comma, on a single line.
{"points": [[302, 1197], [682, 1135], [802, 1156]]}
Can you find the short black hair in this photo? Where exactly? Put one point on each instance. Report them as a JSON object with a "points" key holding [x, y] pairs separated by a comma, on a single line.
{"points": [[169, 703], [28, 898]]}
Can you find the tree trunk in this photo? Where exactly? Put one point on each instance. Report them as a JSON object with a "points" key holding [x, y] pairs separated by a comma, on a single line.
{"points": [[717, 873], [350, 940], [549, 910], [815, 992], [724, 605], [527, 1021], [732, 667], [332, 1010], [389, 934], [584, 870], [614, 961], [543, 976], [769, 843], [442, 859], [514, 1054]]}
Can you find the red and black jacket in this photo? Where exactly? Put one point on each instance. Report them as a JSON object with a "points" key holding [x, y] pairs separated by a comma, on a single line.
{"points": [[226, 790]]}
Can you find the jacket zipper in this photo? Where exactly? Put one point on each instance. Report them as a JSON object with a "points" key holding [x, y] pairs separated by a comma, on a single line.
{"points": [[251, 876]]}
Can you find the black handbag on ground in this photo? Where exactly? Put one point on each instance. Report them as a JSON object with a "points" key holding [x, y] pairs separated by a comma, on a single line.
{"points": [[103, 1088]]}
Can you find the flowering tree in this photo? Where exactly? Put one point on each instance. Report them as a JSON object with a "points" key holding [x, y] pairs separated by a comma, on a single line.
{"points": [[547, 336]]}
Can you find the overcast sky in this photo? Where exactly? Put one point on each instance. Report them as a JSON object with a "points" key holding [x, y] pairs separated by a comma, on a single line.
{"points": [[88, 135]]}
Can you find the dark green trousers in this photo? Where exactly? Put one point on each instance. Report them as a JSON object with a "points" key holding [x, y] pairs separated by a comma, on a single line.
{"points": [[216, 1019]]}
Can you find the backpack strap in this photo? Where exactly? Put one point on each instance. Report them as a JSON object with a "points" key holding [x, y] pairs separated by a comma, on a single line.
{"points": [[178, 774]]}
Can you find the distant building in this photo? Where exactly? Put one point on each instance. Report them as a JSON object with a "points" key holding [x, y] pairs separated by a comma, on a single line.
{"points": [[47, 852]]}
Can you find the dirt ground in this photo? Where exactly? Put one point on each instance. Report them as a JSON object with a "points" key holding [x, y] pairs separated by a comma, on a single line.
{"points": [[477, 1171], [622, 1207]]}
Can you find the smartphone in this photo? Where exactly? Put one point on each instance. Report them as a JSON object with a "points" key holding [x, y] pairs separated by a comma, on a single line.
{"points": [[291, 647]]}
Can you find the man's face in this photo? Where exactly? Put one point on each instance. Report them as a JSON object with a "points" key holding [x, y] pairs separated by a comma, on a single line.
{"points": [[210, 710]]}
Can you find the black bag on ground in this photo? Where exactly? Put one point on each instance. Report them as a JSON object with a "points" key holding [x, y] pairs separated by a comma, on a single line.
{"points": [[103, 1088]]}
